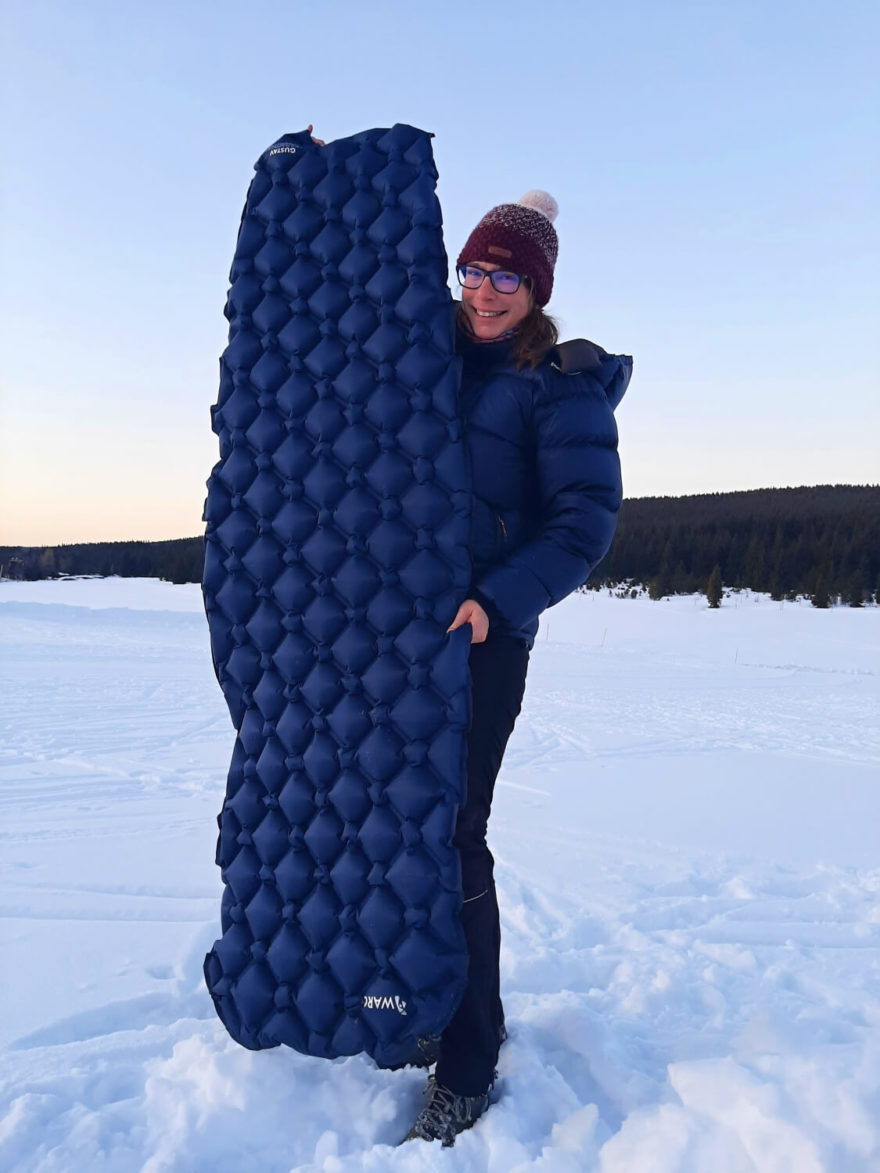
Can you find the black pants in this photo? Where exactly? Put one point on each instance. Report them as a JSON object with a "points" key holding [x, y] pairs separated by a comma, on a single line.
{"points": [[469, 1045]]}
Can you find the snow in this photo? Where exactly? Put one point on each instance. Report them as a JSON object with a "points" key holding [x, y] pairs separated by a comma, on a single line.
{"points": [[685, 834]]}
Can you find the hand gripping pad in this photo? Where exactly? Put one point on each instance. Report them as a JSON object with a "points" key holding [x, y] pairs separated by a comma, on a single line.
{"points": [[335, 558]]}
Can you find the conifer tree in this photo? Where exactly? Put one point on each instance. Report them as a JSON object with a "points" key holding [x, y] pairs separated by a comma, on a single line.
{"points": [[855, 595], [821, 597], [714, 587]]}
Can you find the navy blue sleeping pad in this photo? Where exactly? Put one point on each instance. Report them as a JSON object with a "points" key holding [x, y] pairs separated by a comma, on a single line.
{"points": [[336, 555]]}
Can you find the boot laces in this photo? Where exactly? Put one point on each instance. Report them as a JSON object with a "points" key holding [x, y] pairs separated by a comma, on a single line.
{"points": [[446, 1114]]}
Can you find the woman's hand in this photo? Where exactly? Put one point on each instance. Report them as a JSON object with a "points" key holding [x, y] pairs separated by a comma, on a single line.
{"points": [[319, 142], [471, 612]]}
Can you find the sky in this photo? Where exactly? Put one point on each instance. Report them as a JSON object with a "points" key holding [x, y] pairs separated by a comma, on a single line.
{"points": [[715, 165]]}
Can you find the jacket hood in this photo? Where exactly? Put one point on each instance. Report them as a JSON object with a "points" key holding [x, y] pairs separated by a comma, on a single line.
{"points": [[612, 371]]}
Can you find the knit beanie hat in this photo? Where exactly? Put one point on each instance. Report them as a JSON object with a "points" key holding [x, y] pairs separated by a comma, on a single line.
{"points": [[519, 237]]}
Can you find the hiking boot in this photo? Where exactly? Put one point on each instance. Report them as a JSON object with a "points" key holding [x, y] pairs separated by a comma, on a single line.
{"points": [[428, 1051], [445, 1114], [425, 1053]]}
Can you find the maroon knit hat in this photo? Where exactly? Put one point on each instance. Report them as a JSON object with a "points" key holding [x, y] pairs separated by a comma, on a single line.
{"points": [[519, 237]]}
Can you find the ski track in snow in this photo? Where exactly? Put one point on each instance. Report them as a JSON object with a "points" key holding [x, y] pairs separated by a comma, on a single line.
{"points": [[684, 831]]}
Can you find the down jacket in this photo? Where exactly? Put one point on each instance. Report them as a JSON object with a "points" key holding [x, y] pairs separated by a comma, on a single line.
{"points": [[545, 475]]}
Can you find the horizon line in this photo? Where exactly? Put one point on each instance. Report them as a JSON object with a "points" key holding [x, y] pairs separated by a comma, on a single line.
{"points": [[647, 497]]}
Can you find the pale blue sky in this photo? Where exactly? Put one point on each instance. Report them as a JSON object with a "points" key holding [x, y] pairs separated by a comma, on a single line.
{"points": [[715, 165]]}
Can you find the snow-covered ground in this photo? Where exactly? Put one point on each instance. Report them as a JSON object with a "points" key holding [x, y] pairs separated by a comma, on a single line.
{"points": [[686, 829]]}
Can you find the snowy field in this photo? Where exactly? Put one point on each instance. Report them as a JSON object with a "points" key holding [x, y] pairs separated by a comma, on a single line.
{"points": [[687, 829]]}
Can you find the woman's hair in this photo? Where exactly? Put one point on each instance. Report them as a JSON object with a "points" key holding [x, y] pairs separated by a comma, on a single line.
{"points": [[537, 333]]}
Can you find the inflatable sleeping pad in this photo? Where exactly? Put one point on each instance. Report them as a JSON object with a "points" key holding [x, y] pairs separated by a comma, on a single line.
{"points": [[335, 559]]}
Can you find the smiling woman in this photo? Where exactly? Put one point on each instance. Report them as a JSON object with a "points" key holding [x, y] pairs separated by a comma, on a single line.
{"points": [[545, 483], [493, 299], [506, 273]]}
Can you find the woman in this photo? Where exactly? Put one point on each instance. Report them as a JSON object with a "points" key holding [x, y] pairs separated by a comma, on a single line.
{"points": [[542, 446]]}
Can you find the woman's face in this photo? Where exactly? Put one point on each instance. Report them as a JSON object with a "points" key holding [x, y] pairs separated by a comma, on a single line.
{"points": [[490, 313]]}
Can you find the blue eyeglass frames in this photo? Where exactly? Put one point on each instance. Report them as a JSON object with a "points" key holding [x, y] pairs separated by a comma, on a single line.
{"points": [[471, 277]]}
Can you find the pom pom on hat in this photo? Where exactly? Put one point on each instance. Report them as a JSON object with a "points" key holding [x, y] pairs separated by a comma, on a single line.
{"points": [[519, 237], [541, 201]]}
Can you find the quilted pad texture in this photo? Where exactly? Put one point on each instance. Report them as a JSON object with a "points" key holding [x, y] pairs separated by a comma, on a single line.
{"points": [[336, 556]]}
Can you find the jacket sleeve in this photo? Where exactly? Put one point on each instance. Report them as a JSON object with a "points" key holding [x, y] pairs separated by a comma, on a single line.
{"points": [[578, 479]]}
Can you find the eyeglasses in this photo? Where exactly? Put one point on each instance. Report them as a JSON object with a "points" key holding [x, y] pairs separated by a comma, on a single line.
{"points": [[502, 282]]}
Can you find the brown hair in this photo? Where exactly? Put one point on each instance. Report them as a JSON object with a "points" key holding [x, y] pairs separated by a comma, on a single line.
{"points": [[537, 333]]}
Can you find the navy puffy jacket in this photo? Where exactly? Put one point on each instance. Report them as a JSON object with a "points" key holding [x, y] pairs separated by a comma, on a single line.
{"points": [[545, 474]]}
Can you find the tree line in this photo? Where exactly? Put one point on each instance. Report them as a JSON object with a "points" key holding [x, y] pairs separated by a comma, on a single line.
{"points": [[823, 542], [178, 560]]}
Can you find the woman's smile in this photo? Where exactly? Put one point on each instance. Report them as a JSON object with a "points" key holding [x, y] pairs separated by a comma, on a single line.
{"points": [[491, 313]]}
